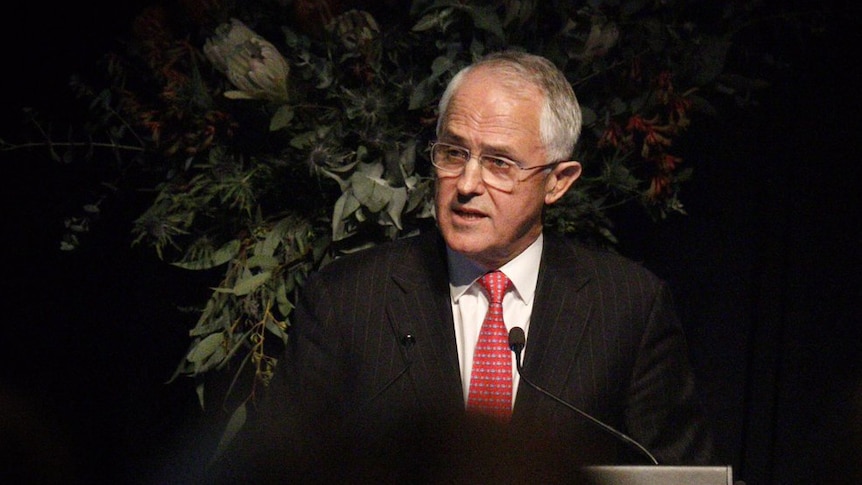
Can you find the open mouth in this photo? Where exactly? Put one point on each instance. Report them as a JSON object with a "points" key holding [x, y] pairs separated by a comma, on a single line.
{"points": [[469, 214]]}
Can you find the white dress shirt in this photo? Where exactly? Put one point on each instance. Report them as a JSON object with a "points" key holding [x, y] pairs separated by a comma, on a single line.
{"points": [[470, 303]]}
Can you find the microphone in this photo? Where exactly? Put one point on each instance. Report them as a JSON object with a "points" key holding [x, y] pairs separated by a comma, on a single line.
{"points": [[407, 342], [517, 341]]}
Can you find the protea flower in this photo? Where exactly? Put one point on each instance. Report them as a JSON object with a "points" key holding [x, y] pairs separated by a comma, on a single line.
{"points": [[253, 65]]}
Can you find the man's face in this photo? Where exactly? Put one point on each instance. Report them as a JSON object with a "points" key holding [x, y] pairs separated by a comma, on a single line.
{"points": [[488, 225]]}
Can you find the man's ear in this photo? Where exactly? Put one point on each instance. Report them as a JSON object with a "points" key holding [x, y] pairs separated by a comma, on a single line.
{"points": [[562, 177]]}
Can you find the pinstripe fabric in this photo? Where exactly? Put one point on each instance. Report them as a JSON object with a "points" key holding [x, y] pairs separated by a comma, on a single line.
{"points": [[603, 336]]}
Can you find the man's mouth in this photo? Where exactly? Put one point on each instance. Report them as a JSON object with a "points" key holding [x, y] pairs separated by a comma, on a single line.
{"points": [[469, 214]]}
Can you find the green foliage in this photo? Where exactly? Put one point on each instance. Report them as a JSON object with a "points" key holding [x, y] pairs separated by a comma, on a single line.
{"points": [[277, 136]]}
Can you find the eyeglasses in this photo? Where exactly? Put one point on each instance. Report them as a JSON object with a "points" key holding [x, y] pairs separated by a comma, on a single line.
{"points": [[498, 172]]}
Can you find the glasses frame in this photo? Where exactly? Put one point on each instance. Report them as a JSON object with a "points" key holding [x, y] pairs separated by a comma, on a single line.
{"points": [[482, 158]]}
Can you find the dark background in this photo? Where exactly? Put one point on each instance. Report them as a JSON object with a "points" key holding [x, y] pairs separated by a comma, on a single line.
{"points": [[765, 268]]}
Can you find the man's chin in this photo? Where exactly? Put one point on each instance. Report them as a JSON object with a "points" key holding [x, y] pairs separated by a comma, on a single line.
{"points": [[466, 243], [475, 252]]}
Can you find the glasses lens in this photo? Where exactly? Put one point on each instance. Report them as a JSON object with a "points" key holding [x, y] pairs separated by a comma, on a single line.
{"points": [[498, 173], [451, 161]]}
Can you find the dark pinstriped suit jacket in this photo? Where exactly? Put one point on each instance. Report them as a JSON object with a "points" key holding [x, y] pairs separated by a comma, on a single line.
{"points": [[603, 336]]}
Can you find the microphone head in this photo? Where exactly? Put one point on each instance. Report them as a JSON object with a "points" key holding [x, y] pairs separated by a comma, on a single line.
{"points": [[517, 339]]}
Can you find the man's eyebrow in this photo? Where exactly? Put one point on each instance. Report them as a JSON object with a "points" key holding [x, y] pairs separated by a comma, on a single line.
{"points": [[449, 137]]}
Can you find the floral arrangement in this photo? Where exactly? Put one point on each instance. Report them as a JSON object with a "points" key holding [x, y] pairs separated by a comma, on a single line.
{"points": [[277, 135]]}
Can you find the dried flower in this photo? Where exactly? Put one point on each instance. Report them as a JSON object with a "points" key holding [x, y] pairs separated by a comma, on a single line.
{"points": [[355, 29], [253, 65], [367, 106], [603, 36]]}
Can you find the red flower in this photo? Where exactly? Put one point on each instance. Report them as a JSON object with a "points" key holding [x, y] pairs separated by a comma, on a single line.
{"points": [[659, 187], [612, 136], [667, 163], [679, 111], [680, 105], [654, 138], [636, 123]]}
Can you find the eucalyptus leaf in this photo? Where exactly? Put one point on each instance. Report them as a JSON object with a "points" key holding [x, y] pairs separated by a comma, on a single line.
{"points": [[372, 170], [396, 205], [702, 105], [618, 106], [217, 258], [324, 73], [432, 20], [284, 304], [417, 197], [263, 261], [407, 159], [199, 390], [209, 325], [343, 183], [248, 284], [268, 245], [184, 366], [238, 342], [205, 349], [273, 327], [216, 359], [344, 207], [588, 116], [371, 192], [486, 18], [234, 425], [440, 66], [304, 140], [234, 94], [710, 63], [282, 118], [423, 93]]}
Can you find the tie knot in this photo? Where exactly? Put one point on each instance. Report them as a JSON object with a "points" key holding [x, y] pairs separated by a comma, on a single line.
{"points": [[495, 283]]}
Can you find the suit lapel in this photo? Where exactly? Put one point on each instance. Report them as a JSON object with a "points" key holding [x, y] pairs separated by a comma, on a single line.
{"points": [[560, 317], [419, 305]]}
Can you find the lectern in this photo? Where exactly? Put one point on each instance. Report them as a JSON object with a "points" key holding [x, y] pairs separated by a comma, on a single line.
{"points": [[659, 475]]}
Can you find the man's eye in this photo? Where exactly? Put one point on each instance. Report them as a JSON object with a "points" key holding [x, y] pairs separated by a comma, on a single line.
{"points": [[498, 163], [458, 154]]}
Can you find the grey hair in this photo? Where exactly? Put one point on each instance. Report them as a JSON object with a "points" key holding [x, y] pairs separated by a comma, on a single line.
{"points": [[560, 117]]}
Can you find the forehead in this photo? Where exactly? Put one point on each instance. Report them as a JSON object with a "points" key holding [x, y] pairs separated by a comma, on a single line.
{"points": [[487, 112]]}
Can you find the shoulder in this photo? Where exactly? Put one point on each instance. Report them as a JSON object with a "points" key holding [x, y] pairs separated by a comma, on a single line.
{"points": [[595, 264], [385, 259]]}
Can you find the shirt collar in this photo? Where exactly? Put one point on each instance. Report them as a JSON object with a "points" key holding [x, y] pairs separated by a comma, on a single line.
{"points": [[522, 270]]}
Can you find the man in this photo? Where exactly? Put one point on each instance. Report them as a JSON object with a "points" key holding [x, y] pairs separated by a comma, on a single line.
{"points": [[378, 371]]}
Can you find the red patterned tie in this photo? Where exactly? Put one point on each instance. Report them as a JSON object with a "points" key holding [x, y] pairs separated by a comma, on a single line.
{"points": [[491, 379]]}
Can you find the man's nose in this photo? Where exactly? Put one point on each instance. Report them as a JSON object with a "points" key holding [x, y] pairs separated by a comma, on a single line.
{"points": [[471, 180]]}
